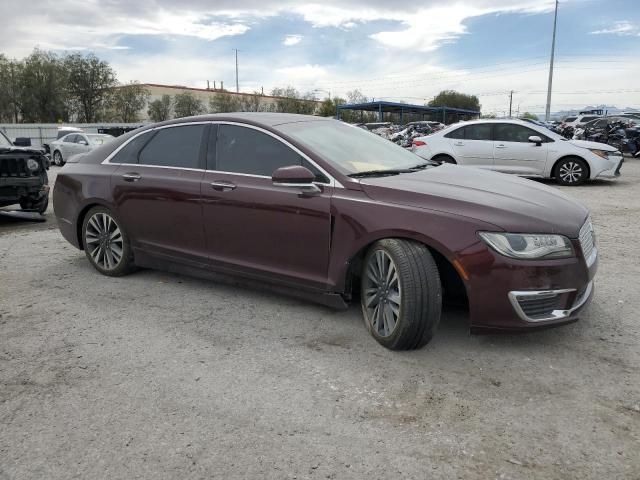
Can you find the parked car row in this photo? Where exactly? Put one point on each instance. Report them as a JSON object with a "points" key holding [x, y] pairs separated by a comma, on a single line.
{"points": [[333, 213], [521, 148]]}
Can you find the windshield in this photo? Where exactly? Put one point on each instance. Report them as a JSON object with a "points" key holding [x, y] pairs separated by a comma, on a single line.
{"points": [[4, 141], [350, 149], [99, 139]]}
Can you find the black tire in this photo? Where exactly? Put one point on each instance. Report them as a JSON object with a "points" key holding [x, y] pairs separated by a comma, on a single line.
{"points": [[57, 158], [419, 292], [444, 159], [571, 171], [100, 262]]}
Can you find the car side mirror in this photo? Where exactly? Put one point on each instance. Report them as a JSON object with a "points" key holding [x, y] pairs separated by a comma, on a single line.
{"points": [[295, 176], [535, 139], [82, 142]]}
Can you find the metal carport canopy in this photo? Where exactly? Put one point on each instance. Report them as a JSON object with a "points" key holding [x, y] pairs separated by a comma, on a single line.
{"points": [[401, 108]]}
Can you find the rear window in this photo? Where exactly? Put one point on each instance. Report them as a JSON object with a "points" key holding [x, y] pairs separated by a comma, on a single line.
{"points": [[174, 147], [129, 153], [570, 119], [457, 133]]}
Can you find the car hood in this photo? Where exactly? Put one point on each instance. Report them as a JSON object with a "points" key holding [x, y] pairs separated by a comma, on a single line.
{"points": [[510, 203], [33, 150], [596, 145]]}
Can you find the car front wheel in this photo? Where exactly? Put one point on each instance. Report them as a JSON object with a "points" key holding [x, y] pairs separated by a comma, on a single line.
{"points": [[571, 171], [105, 243], [57, 158], [401, 294]]}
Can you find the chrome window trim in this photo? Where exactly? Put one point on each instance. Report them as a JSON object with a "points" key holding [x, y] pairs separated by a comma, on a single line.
{"points": [[107, 161]]}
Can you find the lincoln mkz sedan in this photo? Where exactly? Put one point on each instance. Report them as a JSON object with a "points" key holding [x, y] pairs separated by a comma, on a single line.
{"points": [[331, 212]]}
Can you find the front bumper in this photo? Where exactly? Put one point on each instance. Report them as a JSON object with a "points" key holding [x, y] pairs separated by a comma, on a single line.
{"points": [[518, 295], [12, 189], [614, 171]]}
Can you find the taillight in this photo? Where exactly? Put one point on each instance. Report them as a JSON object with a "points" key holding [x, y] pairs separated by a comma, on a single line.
{"points": [[419, 143]]}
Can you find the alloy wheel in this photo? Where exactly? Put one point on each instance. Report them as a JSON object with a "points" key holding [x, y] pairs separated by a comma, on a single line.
{"points": [[57, 158], [382, 292], [104, 241], [570, 172]]}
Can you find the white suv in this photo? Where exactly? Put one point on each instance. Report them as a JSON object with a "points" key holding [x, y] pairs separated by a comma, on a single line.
{"points": [[579, 120], [520, 148]]}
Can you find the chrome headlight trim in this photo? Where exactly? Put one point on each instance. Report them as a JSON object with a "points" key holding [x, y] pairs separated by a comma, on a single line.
{"points": [[529, 246]]}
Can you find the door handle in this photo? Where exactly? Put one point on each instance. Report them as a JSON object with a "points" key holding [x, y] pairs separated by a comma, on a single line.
{"points": [[459, 144], [131, 177], [501, 146], [223, 186]]}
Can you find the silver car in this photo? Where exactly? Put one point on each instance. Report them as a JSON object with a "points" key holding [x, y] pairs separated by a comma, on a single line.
{"points": [[75, 143]]}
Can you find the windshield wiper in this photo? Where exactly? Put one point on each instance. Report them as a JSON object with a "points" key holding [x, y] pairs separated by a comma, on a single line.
{"points": [[422, 166], [380, 173]]}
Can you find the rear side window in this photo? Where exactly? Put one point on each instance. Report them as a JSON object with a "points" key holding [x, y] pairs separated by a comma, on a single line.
{"points": [[245, 150], [478, 132], [174, 147], [70, 138], [570, 119], [587, 119], [129, 153], [457, 133]]}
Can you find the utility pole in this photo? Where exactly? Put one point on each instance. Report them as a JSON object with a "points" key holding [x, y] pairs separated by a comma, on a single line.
{"points": [[547, 112], [510, 102], [237, 85]]}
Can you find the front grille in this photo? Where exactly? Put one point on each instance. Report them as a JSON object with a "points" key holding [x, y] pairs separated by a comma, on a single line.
{"points": [[587, 239], [14, 167]]}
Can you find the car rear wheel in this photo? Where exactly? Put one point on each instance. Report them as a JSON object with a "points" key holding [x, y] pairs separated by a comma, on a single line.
{"points": [[105, 243], [57, 158], [401, 295], [571, 171]]}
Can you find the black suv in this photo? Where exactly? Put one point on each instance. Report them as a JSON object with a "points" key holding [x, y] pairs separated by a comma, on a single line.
{"points": [[23, 176]]}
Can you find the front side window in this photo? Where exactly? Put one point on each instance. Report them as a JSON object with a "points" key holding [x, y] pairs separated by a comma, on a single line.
{"points": [[71, 138], [480, 131], [246, 150], [508, 132], [174, 147]]}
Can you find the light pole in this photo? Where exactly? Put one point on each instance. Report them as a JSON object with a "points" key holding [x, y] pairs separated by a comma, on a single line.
{"points": [[237, 85], [547, 112]]}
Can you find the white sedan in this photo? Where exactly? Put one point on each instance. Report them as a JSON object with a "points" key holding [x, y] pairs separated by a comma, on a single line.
{"points": [[75, 143], [520, 148]]}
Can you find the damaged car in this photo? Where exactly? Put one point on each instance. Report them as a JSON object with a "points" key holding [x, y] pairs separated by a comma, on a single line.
{"points": [[23, 177]]}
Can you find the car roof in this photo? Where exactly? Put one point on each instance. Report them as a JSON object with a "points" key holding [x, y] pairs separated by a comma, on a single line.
{"points": [[267, 119], [515, 121]]}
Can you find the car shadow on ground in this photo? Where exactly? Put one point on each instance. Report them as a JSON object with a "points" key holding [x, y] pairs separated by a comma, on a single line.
{"points": [[13, 217]]}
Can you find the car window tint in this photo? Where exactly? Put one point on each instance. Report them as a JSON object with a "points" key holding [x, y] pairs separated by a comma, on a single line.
{"points": [[507, 132], [129, 153], [588, 119], [70, 138], [457, 133], [570, 119], [245, 150], [478, 132], [80, 139], [174, 147]]}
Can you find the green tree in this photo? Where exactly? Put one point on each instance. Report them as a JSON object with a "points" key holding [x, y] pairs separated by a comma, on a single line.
{"points": [[160, 109], [291, 101], [329, 106], [453, 99], [186, 105], [10, 79], [530, 116], [90, 84], [128, 100], [223, 103], [251, 103], [42, 80]]}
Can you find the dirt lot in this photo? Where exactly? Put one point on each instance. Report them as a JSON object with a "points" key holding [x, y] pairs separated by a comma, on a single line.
{"points": [[163, 376]]}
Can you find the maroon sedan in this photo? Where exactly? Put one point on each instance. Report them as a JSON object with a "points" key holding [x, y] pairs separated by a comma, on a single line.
{"points": [[329, 210]]}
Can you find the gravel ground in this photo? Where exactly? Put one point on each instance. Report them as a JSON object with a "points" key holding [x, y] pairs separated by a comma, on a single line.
{"points": [[163, 376]]}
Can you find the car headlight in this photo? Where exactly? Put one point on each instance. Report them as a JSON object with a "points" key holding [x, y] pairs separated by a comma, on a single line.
{"points": [[32, 165], [529, 246], [601, 153]]}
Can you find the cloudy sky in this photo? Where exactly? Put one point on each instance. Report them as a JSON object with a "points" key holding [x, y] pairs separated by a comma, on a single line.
{"points": [[389, 50]]}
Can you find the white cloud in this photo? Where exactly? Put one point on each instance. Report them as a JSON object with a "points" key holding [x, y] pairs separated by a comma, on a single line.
{"points": [[623, 28], [291, 40]]}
